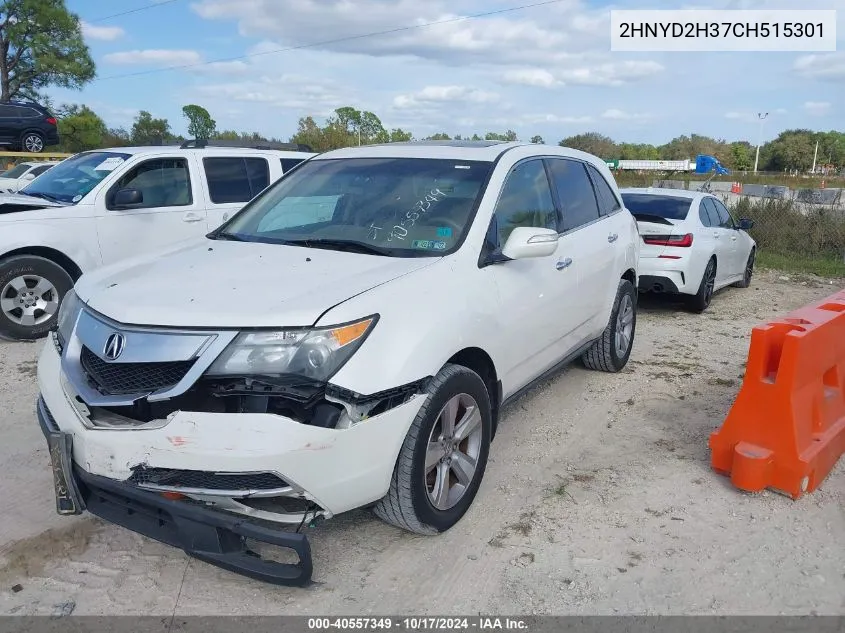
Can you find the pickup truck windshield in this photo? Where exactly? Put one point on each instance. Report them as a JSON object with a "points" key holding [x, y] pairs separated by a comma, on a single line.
{"points": [[74, 177], [400, 207]]}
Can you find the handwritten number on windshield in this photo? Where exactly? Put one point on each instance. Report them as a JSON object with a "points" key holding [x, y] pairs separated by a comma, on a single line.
{"points": [[400, 231]]}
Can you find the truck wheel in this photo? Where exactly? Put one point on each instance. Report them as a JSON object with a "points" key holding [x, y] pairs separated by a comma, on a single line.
{"points": [[443, 458], [610, 353], [31, 289]]}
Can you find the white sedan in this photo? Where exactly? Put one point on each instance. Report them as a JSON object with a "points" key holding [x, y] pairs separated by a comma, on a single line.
{"points": [[22, 174], [692, 245]]}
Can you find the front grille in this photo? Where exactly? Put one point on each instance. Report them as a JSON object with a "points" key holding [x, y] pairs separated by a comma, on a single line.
{"points": [[205, 480], [128, 378]]}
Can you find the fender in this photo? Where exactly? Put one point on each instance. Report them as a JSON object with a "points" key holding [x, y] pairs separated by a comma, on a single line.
{"points": [[75, 237], [388, 358]]}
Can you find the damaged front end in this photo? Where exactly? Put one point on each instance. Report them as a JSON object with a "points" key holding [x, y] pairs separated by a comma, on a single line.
{"points": [[168, 440]]}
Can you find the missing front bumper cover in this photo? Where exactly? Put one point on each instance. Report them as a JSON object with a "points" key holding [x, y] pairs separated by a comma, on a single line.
{"points": [[208, 535]]}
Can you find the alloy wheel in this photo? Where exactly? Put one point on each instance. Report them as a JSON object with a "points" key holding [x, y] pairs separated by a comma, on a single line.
{"points": [[452, 452], [29, 300]]}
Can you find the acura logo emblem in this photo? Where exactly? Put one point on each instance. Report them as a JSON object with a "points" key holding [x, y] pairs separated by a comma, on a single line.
{"points": [[114, 346]]}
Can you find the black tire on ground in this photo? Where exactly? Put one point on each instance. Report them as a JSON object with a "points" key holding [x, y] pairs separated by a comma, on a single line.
{"points": [[603, 354], [407, 503], [749, 270], [24, 265], [700, 301], [32, 142]]}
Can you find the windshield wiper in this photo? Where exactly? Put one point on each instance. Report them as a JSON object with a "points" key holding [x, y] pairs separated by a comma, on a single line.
{"points": [[340, 245], [228, 237], [43, 196]]}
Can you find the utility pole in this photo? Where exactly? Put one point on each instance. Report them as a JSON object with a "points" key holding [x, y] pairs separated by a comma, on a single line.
{"points": [[815, 155], [762, 117]]}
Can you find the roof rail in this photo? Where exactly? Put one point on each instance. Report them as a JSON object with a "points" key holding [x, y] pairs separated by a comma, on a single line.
{"points": [[198, 143]]}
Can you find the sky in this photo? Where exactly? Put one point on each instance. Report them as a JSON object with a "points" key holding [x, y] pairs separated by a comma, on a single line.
{"points": [[544, 70]]}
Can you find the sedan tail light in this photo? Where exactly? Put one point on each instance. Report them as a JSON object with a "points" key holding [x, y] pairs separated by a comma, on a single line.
{"points": [[51, 120], [669, 240]]}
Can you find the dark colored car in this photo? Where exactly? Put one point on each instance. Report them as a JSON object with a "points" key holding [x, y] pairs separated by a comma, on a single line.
{"points": [[27, 126]]}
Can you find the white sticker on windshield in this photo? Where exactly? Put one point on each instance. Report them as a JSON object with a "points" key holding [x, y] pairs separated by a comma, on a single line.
{"points": [[77, 198], [109, 164]]}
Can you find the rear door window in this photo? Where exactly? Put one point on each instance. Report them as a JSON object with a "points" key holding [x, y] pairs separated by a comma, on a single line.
{"points": [[235, 179], [712, 212], [725, 220], [575, 192]]}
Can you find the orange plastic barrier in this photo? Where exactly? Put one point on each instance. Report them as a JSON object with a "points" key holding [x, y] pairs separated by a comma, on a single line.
{"points": [[786, 429], [736, 187]]}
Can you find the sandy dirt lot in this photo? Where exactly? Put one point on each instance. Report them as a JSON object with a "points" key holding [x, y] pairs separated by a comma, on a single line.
{"points": [[598, 500]]}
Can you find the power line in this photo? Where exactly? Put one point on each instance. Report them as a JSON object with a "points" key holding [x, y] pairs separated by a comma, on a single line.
{"points": [[338, 40], [144, 8]]}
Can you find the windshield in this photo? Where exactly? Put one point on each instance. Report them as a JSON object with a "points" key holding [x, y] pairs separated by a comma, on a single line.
{"points": [[401, 207], [17, 171], [667, 207], [74, 177]]}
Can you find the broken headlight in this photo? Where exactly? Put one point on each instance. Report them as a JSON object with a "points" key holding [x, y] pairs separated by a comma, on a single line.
{"points": [[314, 353], [68, 314]]}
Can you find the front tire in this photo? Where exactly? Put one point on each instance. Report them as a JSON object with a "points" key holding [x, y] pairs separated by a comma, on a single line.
{"points": [[31, 289], [444, 456], [32, 142], [611, 352], [700, 301]]}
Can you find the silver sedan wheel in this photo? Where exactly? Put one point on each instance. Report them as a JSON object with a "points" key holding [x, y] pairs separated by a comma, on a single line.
{"points": [[452, 452], [29, 300], [624, 326]]}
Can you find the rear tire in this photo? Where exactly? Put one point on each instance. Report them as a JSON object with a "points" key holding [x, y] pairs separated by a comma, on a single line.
{"points": [[749, 270], [700, 301], [611, 352], [411, 500], [32, 142], [31, 290]]}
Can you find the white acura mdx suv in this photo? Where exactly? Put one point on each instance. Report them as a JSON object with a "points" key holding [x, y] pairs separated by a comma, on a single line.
{"points": [[347, 339]]}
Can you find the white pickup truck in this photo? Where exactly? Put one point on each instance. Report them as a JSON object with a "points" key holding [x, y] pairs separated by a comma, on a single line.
{"points": [[101, 206]]}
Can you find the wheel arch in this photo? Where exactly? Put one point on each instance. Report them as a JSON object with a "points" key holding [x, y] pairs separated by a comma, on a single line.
{"points": [[55, 256], [479, 361]]}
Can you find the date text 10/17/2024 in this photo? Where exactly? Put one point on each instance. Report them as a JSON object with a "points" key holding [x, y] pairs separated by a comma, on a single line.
{"points": [[422, 623]]}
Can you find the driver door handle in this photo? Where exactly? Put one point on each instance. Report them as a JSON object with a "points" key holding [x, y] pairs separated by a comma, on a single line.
{"points": [[716, 234], [190, 216], [563, 263], [612, 237]]}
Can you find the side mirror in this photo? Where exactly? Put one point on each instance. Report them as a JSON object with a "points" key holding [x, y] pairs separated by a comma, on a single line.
{"points": [[128, 198], [745, 224], [528, 241], [29, 176]]}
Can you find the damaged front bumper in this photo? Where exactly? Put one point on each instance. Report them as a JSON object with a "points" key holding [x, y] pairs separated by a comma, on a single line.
{"points": [[208, 535], [260, 464]]}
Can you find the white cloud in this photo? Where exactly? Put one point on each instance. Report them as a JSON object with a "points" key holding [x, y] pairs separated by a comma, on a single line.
{"points": [[533, 119], [107, 33], [817, 108], [531, 77], [611, 73], [443, 94], [615, 114], [554, 36], [827, 66], [235, 67], [162, 57]]}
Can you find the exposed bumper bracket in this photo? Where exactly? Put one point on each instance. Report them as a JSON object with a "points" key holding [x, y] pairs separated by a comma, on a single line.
{"points": [[208, 535]]}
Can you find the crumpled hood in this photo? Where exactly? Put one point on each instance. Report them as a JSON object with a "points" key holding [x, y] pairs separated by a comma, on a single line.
{"points": [[13, 204], [218, 284]]}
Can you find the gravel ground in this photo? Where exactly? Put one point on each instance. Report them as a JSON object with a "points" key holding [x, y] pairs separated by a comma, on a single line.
{"points": [[598, 500]]}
